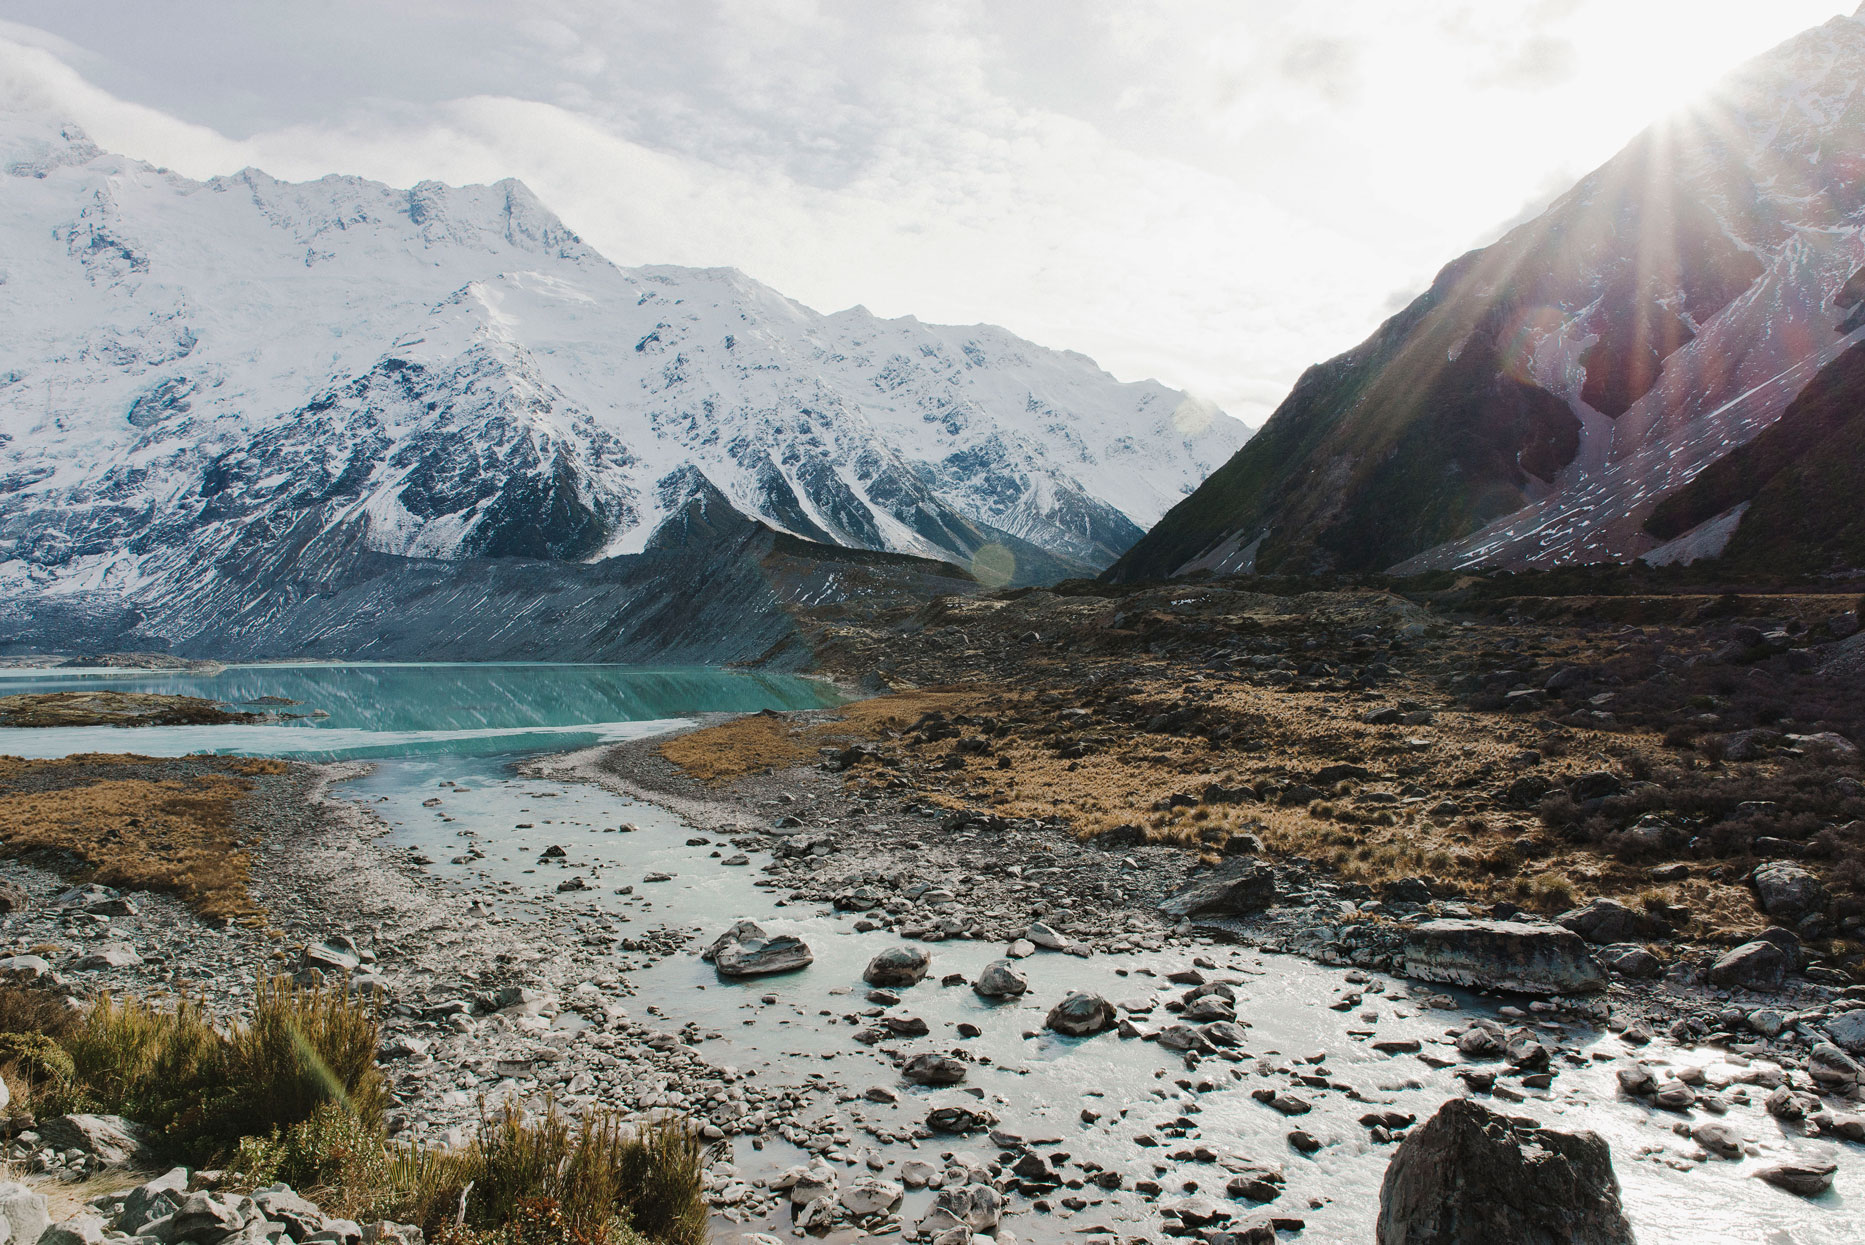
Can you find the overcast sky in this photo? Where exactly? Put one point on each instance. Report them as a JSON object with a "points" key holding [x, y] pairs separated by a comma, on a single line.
{"points": [[1216, 193]]}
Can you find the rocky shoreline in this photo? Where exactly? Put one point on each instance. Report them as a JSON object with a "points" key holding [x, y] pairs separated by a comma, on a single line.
{"points": [[482, 1003]]}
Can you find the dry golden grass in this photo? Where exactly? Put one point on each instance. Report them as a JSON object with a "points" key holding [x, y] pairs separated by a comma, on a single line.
{"points": [[761, 742], [136, 831], [109, 708]]}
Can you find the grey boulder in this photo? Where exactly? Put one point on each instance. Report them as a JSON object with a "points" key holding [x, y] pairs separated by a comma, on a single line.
{"points": [[110, 1139], [1080, 1014], [1241, 886], [1757, 965], [1000, 980], [1502, 955], [1786, 891], [1606, 921], [1469, 1175], [898, 966]]}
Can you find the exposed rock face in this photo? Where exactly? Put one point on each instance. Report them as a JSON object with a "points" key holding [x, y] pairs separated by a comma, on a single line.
{"points": [[1757, 965], [1241, 886], [1786, 891], [1606, 921], [1502, 955], [1469, 1176], [112, 1140]]}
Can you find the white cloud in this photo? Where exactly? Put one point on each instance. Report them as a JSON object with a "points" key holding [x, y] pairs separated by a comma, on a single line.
{"points": [[1215, 192]]}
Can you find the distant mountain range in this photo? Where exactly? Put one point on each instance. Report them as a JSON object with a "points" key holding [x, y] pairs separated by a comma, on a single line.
{"points": [[240, 415], [1659, 366]]}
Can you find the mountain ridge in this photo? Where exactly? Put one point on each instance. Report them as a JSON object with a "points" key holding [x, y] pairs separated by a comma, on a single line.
{"points": [[1665, 309]]}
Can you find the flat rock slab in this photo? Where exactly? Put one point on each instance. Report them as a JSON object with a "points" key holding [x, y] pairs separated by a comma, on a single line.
{"points": [[1502, 955]]}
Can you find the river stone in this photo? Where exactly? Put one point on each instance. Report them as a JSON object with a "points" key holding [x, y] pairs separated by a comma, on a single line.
{"points": [[1754, 965], [1000, 980], [1080, 1014], [110, 1139], [1607, 921], [869, 1195], [976, 1207], [1807, 1178], [1719, 1139], [1832, 1067], [1847, 1030], [1045, 937], [1469, 1175], [24, 1215], [959, 1119], [1502, 955], [746, 950], [898, 966], [1240, 886], [1786, 891], [933, 1069]]}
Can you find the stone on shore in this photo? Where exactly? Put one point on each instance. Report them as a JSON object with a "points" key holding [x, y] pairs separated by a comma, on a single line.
{"points": [[1470, 1175], [109, 1139], [1502, 955], [1757, 965], [1606, 921], [1241, 886]]}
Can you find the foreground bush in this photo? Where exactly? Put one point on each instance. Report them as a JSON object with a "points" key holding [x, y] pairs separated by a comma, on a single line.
{"points": [[201, 1087], [522, 1181]]}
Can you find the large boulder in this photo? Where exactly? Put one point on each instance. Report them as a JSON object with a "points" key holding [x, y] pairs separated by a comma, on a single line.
{"points": [[153, 1199], [1847, 1030], [1786, 891], [110, 1139], [898, 966], [1502, 955], [1080, 1014], [1000, 980], [77, 1230], [931, 1068], [1241, 886], [746, 950], [24, 1215], [1758, 965], [1468, 1176], [205, 1218], [1606, 921]]}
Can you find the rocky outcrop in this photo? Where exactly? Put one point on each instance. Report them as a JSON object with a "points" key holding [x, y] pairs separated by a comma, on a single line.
{"points": [[1758, 965], [1242, 886], [1786, 891], [1469, 1176], [1502, 955]]}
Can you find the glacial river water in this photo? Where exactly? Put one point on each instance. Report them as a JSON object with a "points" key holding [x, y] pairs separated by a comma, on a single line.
{"points": [[464, 726]]}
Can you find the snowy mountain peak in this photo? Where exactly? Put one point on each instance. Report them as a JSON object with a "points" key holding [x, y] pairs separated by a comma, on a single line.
{"points": [[449, 372]]}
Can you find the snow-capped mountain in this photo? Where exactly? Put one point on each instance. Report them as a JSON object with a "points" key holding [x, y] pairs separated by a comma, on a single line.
{"points": [[1547, 393], [202, 376]]}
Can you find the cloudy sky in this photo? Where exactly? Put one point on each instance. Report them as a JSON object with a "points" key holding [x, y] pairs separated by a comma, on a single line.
{"points": [[1213, 192]]}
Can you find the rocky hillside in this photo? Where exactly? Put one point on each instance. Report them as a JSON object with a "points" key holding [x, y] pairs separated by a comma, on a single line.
{"points": [[1537, 403], [211, 389]]}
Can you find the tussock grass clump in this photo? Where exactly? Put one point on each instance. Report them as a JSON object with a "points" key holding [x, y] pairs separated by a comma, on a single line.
{"points": [[202, 1086], [524, 1180]]}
